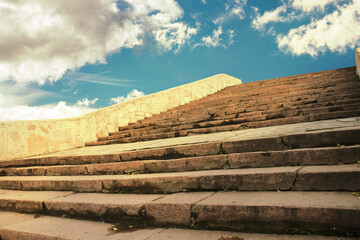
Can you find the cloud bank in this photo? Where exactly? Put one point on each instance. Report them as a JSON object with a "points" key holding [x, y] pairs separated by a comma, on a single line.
{"points": [[47, 38], [334, 31], [49, 111], [55, 111]]}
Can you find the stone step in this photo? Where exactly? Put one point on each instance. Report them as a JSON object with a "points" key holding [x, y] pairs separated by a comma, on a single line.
{"points": [[236, 113], [259, 105], [234, 118], [237, 108], [335, 213], [337, 86], [309, 178], [311, 139], [15, 226], [231, 127], [296, 157]]}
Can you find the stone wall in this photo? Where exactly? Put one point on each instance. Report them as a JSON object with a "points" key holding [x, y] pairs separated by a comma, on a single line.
{"points": [[357, 61], [20, 139]]}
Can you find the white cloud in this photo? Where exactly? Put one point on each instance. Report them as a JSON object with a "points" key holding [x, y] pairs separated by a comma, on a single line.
{"points": [[203, 1], [310, 5], [174, 34], [54, 111], [131, 95], [214, 40], [336, 32], [269, 16], [41, 39], [85, 102], [233, 8]]}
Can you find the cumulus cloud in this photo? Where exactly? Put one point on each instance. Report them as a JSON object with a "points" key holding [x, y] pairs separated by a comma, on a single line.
{"points": [[51, 111], [85, 102], [203, 1], [335, 31], [41, 39], [131, 95]]}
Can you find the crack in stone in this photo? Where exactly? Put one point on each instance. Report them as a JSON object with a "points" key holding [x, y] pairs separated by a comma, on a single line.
{"points": [[296, 178]]}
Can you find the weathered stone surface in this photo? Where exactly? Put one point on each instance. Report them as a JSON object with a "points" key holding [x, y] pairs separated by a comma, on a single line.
{"points": [[187, 164], [336, 177], [53, 228], [11, 218], [117, 168], [174, 209], [280, 211], [308, 156], [185, 234], [173, 152], [96, 205], [241, 179], [329, 178], [26, 202], [110, 153]]}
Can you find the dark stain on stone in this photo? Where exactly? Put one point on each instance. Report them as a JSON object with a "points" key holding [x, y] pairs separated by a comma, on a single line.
{"points": [[124, 228]]}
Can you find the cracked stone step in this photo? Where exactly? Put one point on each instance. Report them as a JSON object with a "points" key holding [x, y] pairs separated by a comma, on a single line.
{"points": [[232, 127], [331, 178], [243, 179], [27, 226], [273, 212], [238, 116], [296, 157], [320, 138]]}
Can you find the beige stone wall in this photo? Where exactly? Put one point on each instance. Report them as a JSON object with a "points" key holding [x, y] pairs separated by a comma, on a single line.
{"points": [[20, 139], [357, 61]]}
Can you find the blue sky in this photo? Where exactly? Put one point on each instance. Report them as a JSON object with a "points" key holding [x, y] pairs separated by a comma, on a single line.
{"points": [[64, 58]]}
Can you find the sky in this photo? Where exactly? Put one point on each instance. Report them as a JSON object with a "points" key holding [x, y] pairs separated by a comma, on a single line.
{"points": [[63, 58]]}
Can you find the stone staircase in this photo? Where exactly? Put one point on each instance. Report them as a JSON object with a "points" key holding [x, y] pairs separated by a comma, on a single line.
{"points": [[301, 98], [291, 176]]}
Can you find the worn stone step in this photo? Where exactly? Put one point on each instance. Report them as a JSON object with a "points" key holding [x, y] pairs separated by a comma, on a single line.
{"points": [[170, 130], [320, 138], [15, 226], [243, 111], [232, 127], [275, 212], [226, 97], [296, 157], [309, 178], [163, 119]]}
